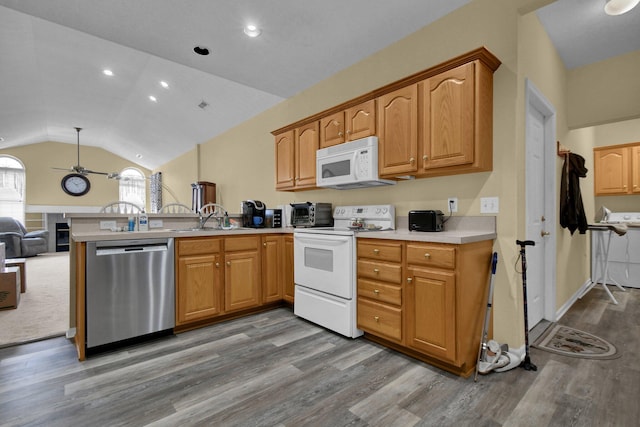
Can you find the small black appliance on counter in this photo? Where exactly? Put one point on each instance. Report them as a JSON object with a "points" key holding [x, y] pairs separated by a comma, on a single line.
{"points": [[273, 218], [426, 220], [253, 214]]}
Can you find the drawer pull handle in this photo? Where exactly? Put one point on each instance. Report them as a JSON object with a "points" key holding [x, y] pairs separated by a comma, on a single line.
{"points": [[376, 291], [229, 263], [217, 264], [376, 251], [409, 280], [427, 255], [376, 318], [375, 270], [264, 244]]}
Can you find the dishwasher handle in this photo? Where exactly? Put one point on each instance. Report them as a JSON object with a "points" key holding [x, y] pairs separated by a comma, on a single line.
{"points": [[130, 249]]}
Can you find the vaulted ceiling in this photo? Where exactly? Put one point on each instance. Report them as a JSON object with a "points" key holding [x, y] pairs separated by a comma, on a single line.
{"points": [[53, 52]]}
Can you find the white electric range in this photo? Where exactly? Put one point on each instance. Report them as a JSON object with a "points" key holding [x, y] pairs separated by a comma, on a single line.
{"points": [[325, 266]]}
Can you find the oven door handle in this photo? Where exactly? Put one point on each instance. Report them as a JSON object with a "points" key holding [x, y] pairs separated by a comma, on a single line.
{"points": [[323, 240]]}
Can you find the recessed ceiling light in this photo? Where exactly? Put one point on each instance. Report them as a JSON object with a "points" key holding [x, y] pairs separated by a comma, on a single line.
{"points": [[153, 98], [164, 84], [252, 31], [107, 72], [138, 156], [201, 50]]}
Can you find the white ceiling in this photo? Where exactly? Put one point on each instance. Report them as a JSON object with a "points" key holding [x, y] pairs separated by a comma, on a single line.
{"points": [[53, 52]]}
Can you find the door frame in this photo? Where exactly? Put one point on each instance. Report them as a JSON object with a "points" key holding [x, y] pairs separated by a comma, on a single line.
{"points": [[534, 99]]}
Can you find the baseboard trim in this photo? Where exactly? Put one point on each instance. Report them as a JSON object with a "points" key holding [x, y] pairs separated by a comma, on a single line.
{"points": [[575, 297]]}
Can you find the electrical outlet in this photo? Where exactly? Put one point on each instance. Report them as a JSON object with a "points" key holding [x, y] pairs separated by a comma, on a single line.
{"points": [[107, 225], [155, 223], [452, 204], [489, 205]]}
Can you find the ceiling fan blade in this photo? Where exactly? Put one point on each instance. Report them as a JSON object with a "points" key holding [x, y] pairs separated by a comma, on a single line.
{"points": [[96, 172], [63, 169]]}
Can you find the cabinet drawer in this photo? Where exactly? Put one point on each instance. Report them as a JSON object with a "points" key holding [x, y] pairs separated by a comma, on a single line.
{"points": [[380, 319], [431, 255], [189, 246], [380, 271], [381, 292], [382, 251], [240, 243]]}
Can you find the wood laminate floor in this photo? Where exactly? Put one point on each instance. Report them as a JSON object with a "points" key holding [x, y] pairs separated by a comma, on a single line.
{"points": [[273, 369]]}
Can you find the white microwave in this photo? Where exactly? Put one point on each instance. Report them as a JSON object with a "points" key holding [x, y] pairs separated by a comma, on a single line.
{"points": [[350, 165]]}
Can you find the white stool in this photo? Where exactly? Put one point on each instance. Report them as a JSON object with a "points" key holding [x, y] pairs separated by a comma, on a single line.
{"points": [[604, 251]]}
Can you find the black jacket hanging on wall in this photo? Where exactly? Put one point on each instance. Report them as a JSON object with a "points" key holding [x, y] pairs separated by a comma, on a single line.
{"points": [[572, 214]]}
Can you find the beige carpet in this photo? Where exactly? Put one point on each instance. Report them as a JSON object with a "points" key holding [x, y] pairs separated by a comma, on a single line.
{"points": [[43, 311]]}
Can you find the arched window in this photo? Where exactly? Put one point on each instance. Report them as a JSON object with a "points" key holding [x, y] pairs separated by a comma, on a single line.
{"points": [[133, 187], [12, 187]]}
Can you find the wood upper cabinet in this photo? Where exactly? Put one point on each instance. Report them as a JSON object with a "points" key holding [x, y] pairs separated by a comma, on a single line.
{"points": [[398, 132], [353, 123], [272, 267], [307, 143], [199, 279], [285, 161], [242, 272], [448, 118], [296, 158], [617, 169], [435, 122]]}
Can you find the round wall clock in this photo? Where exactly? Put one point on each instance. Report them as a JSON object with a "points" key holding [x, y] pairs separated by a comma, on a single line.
{"points": [[75, 184]]}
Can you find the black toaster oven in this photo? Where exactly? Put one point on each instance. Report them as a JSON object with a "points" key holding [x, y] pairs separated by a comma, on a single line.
{"points": [[426, 220]]}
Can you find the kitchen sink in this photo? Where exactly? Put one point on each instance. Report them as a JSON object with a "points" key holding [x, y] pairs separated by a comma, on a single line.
{"points": [[192, 229]]}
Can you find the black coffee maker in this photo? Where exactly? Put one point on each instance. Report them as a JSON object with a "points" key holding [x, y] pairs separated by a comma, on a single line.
{"points": [[253, 213]]}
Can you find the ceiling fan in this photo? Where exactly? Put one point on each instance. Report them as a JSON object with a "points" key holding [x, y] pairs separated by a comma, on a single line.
{"points": [[77, 168]]}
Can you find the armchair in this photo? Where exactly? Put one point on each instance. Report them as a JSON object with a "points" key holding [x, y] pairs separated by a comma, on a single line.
{"points": [[18, 242]]}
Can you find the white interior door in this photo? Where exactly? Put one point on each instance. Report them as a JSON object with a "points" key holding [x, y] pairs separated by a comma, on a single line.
{"points": [[540, 206]]}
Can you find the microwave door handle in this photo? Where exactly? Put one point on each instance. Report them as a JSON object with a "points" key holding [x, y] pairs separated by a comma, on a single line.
{"points": [[354, 159]]}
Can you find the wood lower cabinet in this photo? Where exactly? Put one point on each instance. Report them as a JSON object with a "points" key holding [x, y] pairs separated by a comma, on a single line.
{"points": [[617, 169], [380, 288], [272, 268], [242, 273], [435, 310], [287, 277], [199, 279]]}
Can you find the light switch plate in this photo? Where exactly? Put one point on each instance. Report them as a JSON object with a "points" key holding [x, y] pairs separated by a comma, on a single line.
{"points": [[155, 223], [489, 205], [107, 225]]}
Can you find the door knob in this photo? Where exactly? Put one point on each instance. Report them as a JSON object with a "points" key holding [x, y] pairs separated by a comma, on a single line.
{"points": [[544, 233]]}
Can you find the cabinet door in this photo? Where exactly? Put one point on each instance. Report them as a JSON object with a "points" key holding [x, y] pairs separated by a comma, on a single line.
{"points": [[398, 131], [332, 130], [241, 280], [287, 277], [272, 268], [431, 313], [307, 141], [285, 161], [635, 169], [360, 120], [199, 290], [611, 171], [448, 118]]}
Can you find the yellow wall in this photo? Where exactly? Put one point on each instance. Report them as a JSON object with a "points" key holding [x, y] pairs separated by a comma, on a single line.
{"points": [[605, 92], [43, 183]]}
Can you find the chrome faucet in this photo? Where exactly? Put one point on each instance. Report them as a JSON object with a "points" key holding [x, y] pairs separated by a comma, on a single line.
{"points": [[216, 214]]}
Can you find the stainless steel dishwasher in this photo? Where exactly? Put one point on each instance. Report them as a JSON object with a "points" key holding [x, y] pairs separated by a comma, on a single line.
{"points": [[130, 289]]}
